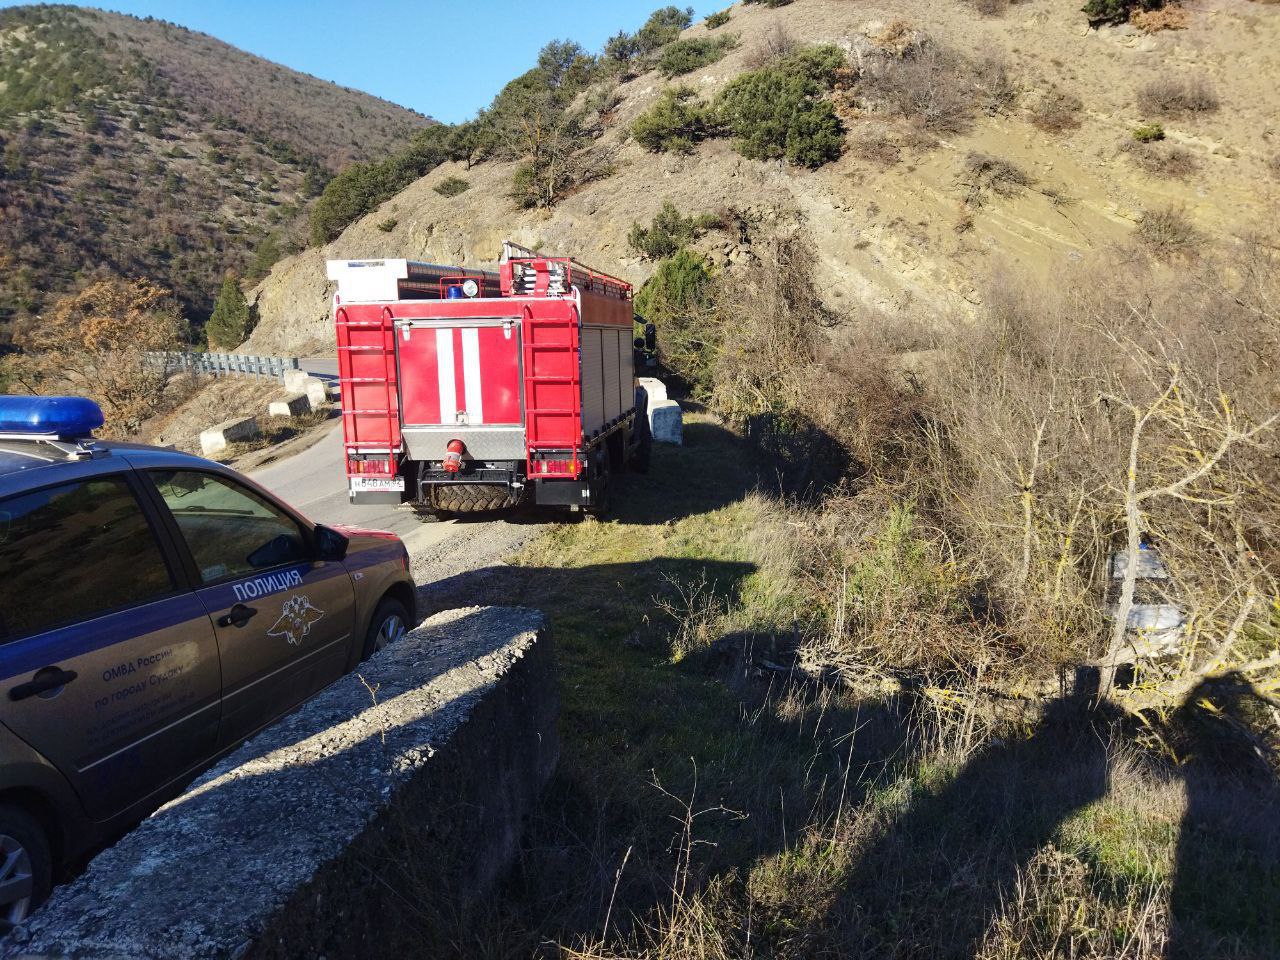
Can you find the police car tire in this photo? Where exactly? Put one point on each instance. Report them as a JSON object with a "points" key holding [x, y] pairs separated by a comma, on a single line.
{"points": [[22, 827], [387, 608], [473, 497]]}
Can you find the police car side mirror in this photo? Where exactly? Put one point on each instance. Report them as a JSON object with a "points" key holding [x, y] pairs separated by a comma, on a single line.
{"points": [[330, 544]]}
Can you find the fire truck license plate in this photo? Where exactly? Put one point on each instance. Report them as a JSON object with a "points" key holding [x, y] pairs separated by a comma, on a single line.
{"points": [[379, 484]]}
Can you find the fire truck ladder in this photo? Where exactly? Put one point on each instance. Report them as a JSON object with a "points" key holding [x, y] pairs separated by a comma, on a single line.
{"points": [[385, 324], [537, 352]]}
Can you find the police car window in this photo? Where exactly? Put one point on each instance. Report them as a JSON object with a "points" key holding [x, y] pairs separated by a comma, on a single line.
{"points": [[229, 529], [75, 551]]}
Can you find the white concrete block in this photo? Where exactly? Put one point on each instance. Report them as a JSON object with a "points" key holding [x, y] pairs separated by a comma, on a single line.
{"points": [[654, 388], [666, 422], [293, 405], [217, 439], [316, 391], [295, 380]]}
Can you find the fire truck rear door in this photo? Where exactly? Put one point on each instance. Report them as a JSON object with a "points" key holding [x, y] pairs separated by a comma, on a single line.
{"points": [[459, 371]]}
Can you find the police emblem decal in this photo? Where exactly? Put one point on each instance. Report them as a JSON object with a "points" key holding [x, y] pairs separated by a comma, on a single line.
{"points": [[296, 617]]}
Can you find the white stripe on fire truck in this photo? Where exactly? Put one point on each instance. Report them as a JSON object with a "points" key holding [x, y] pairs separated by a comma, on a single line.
{"points": [[471, 374], [444, 370]]}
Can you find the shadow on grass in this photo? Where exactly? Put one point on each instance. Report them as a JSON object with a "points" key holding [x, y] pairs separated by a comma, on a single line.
{"points": [[1226, 884], [932, 881]]}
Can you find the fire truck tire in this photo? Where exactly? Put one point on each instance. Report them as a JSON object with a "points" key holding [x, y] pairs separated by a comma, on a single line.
{"points": [[473, 497], [643, 447]]}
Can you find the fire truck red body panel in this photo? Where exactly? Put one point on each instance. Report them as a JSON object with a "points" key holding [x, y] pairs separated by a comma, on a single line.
{"points": [[532, 375]]}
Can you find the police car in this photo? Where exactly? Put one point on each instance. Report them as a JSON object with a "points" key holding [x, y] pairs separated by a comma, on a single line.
{"points": [[155, 610]]}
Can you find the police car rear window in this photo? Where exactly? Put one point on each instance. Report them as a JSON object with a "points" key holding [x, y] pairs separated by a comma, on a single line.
{"points": [[72, 552]]}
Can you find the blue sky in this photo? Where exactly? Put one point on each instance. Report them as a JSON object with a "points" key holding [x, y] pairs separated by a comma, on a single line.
{"points": [[445, 59]]}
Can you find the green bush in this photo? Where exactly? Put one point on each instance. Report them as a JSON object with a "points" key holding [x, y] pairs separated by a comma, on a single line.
{"points": [[228, 325], [675, 123], [685, 56], [679, 298], [1148, 132], [362, 187], [777, 112], [718, 19], [1116, 11], [451, 186], [769, 3], [389, 224], [662, 27], [668, 233]]}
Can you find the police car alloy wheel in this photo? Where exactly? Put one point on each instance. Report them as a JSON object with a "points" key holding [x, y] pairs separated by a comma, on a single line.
{"points": [[25, 866], [391, 630], [17, 881], [390, 623]]}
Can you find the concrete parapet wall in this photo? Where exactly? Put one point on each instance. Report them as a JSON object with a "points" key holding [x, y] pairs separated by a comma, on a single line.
{"points": [[216, 439], [341, 830]]}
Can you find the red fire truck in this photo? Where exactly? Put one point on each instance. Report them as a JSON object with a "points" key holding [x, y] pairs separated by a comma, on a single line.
{"points": [[467, 390]]}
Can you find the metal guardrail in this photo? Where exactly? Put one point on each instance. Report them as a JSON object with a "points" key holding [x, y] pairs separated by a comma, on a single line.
{"points": [[225, 364]]}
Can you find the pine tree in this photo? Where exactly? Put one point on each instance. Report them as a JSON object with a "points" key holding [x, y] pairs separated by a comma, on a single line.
{"points": [[229, 323]]}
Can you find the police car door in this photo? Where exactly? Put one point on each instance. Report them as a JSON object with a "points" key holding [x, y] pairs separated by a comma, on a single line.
{"points": [[283, 618], [109, 664]]}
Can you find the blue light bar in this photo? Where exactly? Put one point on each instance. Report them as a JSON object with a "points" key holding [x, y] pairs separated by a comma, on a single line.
{"points": [[68, 417]]}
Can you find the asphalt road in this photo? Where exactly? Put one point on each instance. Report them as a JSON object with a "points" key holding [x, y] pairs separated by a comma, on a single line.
{"points": [[314, 481]]}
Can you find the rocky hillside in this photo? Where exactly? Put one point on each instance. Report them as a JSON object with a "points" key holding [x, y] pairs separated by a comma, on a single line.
{"points": [[1011, 137], [145, 149]]}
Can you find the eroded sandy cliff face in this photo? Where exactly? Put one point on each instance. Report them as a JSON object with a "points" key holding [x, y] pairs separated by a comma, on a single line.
{"points": [[909, 236]]}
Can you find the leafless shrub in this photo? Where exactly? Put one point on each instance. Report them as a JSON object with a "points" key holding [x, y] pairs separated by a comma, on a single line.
{"points": [[875, 144], [1058, 111], [1168, 232], [931, 84], [1173, 97], [990, 8], [1161, 159], [984, 175], [1274, 165], [1168, 17], [995, 92], [776, 43]]}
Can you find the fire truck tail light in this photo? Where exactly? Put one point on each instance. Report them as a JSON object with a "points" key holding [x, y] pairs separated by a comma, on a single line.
{"points": [[555, 468], [362, 467], [453, 456]]}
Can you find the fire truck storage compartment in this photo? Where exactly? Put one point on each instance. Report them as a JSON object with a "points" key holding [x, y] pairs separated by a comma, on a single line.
{"points": [[461, 379], [529, 372]]}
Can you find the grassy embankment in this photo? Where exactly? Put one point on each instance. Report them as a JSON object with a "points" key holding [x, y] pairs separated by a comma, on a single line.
{"points": [[708, 808]]}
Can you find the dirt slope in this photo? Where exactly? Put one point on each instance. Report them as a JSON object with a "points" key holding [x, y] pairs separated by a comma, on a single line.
{"points": [[898, 237]]}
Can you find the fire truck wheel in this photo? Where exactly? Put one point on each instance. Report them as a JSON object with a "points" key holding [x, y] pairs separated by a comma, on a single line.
{"points": [[643, 447], [473, 497]]}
